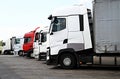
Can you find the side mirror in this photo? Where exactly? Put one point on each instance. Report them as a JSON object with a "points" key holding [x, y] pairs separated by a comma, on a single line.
{"points": [[50, 17]]}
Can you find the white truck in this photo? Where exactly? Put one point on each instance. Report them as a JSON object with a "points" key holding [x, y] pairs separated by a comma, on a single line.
{"points": [[18, 46], [8, 46], [75, 39], [40, 43]]}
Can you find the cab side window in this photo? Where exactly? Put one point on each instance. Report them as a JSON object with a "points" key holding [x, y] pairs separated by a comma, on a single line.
{"points": [[59, 24], [17, 41], [27, 39], [43, 37]]}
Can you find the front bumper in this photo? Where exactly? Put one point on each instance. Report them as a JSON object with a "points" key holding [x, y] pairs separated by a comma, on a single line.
{"points": [[43, 55]]}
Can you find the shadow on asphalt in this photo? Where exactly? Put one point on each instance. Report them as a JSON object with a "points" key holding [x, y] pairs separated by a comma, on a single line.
{"points": [[107, 68], [96, 67]]}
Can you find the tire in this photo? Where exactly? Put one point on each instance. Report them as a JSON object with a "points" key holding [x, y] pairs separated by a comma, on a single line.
{"points": [[0, 52], [20, 53], [67, 61], [28, 55], [48, 62], [6, 52]]}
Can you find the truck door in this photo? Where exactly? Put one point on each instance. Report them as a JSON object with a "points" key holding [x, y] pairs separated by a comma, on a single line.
{"points": [[58, 35], [36, 45], [43, 45]]}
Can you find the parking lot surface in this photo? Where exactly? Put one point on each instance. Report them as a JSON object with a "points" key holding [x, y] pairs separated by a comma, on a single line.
{"points": [[15, 67]]}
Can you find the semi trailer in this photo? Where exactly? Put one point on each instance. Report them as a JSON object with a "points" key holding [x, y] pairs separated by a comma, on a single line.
{"points": [[77, 37], [8, 46]]}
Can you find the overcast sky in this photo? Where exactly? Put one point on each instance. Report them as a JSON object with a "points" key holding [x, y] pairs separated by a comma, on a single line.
{"points": [[20, 16]]}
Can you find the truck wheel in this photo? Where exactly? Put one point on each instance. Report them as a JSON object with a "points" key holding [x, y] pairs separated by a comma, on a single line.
{"points": [[5, 52], [20, 53], [67, 61], [0, 51]]}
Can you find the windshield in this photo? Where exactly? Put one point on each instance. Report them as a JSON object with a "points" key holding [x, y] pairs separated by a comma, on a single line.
{"points": [[27, 39], [58, 24], [17, 41], [43, 37]]}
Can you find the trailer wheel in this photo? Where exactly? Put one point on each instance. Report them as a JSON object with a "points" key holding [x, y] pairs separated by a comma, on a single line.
{"points": [[67, 61]]}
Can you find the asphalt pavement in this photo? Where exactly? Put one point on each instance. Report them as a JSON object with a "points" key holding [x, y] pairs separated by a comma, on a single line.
{"points": [[15, 67]]}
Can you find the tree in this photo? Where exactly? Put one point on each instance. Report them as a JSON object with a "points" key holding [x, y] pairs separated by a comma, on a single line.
{"points": [[1, 42]]}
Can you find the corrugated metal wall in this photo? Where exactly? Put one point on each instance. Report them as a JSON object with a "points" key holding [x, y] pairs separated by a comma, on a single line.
{"points": [[107, 26]]}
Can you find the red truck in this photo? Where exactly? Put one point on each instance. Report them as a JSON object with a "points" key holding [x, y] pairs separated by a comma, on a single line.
{"points": [[28, 43]]}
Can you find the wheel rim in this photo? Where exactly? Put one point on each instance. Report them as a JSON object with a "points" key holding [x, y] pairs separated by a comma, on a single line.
{"points": [[67, 61]]}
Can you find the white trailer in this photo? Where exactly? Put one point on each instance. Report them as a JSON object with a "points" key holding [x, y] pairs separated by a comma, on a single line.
{"points": [[18, 46], [8, 47], [75, 40]]}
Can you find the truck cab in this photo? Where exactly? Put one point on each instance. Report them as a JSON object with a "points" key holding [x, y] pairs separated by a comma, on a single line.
{"points": [[69, 33], [40, 43], [28, 42], [36, 45], [18, 50], [43, 45], [8, 46]]}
